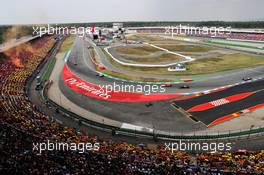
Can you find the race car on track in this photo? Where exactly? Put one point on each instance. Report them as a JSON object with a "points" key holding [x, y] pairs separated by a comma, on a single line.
{"points": [[99, 75], [247, 79], [185, 86], [167, 85]]}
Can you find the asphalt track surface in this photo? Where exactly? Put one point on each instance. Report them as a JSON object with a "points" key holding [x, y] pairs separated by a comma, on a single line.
{"points": [[161, 115], [209, 115], [165, 118], [116, 93], [203, 82], [243, 88]]}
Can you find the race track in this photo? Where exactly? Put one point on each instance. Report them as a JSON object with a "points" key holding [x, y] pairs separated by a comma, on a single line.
{"points": [[161, 114]]}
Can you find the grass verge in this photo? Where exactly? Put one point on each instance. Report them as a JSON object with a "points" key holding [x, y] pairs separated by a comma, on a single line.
{"points": [[233, 44], [187, 48], [67, 43], [202, 66], [48, 70], [142, 50], [166, 57]]}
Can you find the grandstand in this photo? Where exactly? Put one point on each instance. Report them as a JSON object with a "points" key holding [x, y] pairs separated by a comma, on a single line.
{"points": [[22, 123], [235, 34]]}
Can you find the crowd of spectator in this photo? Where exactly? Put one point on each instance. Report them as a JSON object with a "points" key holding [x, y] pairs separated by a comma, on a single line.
{"points": [[232, 35], [240, 36], [22, 124]]}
